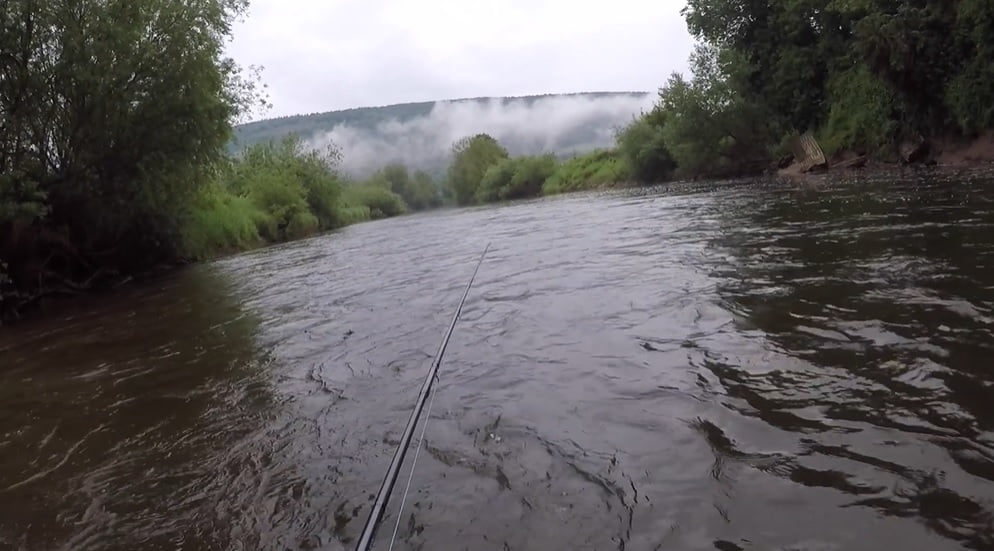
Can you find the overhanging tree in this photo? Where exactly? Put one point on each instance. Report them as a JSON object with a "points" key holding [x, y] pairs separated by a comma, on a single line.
{"points": [[112, 115]]}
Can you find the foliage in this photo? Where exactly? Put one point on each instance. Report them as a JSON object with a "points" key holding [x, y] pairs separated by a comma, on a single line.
{"points": [[296, 189], [642, 146], [270, 193], [594, 170], [970, 97], [221, 222], [353, 214], [377, 201], [865, 73], [471, 159], [862, 112], [425, 192], [495, 179], [970, 94], [418, 192], [709, 128], [530, 174], [113, 115], [20, 198], [516, 178]]}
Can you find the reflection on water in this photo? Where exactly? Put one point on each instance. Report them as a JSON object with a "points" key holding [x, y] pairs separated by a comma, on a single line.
{"points": [[738, 366], [874, 311]]}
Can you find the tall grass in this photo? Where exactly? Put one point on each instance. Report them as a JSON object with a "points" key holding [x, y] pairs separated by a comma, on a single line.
{"points": [[219, 223], [594, 170]]}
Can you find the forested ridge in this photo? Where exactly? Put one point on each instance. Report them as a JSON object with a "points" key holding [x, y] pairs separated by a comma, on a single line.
{"points": [[117, 125]]}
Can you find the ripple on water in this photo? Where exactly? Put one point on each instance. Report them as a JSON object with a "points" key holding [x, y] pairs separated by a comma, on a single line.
{"points": [[701, 366]]}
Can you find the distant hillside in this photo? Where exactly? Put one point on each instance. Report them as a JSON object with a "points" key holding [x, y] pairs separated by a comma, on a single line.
{"points": [[421, 134]]}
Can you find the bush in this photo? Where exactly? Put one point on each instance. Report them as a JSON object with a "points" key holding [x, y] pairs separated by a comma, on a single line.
{"points": [[20, 198], [642, 146], [516, 178], [495, 179], [472, 157], [418, 192], [322, 187], [281, 198], [284, 180], [354, 214], [271, 193], [114, 116], [970, 97], [530, 173], [861, 115], [381, 202]]}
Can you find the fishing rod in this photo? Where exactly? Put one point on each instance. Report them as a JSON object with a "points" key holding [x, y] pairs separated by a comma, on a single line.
{"points": [[379, 506]]}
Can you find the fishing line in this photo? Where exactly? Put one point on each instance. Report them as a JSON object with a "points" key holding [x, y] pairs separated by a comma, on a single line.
{"points": [[414, 463], [376, 513]]}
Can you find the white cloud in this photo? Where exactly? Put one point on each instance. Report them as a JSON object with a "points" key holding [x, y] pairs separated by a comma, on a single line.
{"points": [[327, 55]]}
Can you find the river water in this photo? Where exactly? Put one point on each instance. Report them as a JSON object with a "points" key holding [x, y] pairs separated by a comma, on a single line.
{"points": [[734, 366]]}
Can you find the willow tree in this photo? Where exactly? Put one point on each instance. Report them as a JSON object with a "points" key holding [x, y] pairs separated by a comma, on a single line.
{"points": [[112, 115]]}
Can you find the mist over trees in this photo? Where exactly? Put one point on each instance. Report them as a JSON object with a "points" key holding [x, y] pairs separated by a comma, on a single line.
{"points": [[420, 135]]}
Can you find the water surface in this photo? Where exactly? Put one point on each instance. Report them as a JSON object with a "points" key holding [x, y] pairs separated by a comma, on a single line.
{"points": [[737, 366]]}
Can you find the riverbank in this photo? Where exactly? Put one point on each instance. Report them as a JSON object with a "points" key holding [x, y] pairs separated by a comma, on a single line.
{"points": [[951, 153], [232, 218], [965, 166]]}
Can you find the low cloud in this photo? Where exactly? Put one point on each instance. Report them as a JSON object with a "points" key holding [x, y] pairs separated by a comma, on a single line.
{"points": [[563, 125]]}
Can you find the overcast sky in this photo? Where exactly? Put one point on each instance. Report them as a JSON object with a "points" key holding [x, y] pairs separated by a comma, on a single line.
{"points": [[324, 55]]}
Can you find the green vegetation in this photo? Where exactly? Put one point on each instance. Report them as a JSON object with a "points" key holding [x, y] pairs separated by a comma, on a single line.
{"points": [[598, 169], [271, 193], [482, 172], [862, 75], [471, 158], [106, 144], [642, 147], [376, 201], [117, 122], [418, 192], [515, 178], [116, 118]]}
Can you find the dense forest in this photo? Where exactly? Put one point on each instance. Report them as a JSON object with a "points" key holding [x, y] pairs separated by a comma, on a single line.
{"points": [[892, 79], [116, 127]]}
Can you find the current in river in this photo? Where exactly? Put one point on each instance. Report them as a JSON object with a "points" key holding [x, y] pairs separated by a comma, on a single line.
{"points": [[735, 366]]}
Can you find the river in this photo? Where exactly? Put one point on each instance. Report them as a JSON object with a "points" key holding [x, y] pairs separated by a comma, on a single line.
{"points": [[716, 366]]}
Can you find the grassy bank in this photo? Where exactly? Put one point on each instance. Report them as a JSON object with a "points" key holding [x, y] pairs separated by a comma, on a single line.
{"points": [[278, 192], [272, 193]]}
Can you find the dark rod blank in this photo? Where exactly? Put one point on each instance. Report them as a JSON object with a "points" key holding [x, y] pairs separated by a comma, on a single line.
{"points": [[376, 513]]}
